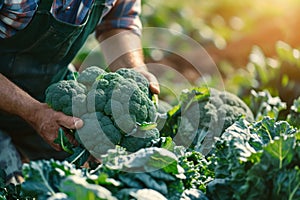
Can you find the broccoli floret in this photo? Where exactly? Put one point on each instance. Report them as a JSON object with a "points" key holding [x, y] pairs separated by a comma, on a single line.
{"points": [[121, 99], [67, 96], [141, 81], [88, 76], [202, 115]]}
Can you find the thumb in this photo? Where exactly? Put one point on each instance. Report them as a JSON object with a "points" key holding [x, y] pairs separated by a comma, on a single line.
{"points": [[70, 122]]}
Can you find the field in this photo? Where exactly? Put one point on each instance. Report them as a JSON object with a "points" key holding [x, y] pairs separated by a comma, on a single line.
{"points": [[227, 123]]}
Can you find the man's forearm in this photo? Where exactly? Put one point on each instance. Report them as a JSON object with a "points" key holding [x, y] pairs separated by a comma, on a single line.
{"points": [[122, 48], [16, 101]]}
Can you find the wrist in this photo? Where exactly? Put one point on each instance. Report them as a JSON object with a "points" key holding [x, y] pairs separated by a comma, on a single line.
{"points": [[32, 113]]}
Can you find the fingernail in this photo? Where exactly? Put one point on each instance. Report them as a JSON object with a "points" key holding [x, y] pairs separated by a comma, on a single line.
{"points": [[78, 123], [154, 87]]}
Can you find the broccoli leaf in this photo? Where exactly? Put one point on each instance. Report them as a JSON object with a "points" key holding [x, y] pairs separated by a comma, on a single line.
{"points": [[147, 159], [38, 180], [63, 141], [280, 150], [147, 194], [263, 104], [252, 160], [146, 126], [78, 188], [79, 157], [287, 184]]}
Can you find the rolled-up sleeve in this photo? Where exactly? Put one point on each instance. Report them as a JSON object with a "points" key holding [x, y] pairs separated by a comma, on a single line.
{"points": [[121, 14]]}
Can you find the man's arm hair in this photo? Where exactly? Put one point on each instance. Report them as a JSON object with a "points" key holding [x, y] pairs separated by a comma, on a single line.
{"points": [[16, 101]]}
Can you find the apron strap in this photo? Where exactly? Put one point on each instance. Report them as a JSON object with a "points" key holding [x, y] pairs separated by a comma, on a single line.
{"points": [[45, 5]]}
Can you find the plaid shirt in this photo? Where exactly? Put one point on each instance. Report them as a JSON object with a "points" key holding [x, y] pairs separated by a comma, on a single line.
{"points": [[15, 15]]}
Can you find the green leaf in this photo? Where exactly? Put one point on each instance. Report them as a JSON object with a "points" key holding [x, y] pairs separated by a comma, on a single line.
{"points": [[287, 184], [78, 188], [281, 149], [168, 144], [147, 159], [43, 177], [151, 183], [146, 126], [79, 157], [197, 94], [64, 142], [263, 104], [37, 179], [268, 129], [147, 194]]}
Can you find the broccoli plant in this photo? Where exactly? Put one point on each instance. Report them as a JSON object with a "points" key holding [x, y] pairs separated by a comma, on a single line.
{"points": [[203, 114], [116, 108]]}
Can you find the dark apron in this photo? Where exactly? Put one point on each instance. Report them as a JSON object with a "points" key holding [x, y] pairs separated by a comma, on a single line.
{"points": [[36, 57]]}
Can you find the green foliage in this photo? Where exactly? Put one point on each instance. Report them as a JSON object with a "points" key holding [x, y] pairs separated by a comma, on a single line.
{"points": [[201, 115], [251, 161], [78, 188], [214, 22], [263, 104], [278, 75], [43, 177], [258, 160], [294, 115], [150, 171], [197, 169]]}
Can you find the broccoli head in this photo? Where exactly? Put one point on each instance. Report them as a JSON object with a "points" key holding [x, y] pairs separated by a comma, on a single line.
{"points": [[115, 107], [122, 99], [67, 96], [203, 114]]}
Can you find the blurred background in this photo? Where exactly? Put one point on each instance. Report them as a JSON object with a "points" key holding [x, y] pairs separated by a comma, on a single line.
{"points": [[253, 43]]}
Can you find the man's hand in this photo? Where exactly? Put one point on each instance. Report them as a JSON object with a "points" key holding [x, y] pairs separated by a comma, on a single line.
{"points": [[47, 122]]}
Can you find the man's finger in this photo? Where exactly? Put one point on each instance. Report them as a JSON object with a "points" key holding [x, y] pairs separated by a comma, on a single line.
{"points": [[154, 87], [70, 122]]}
